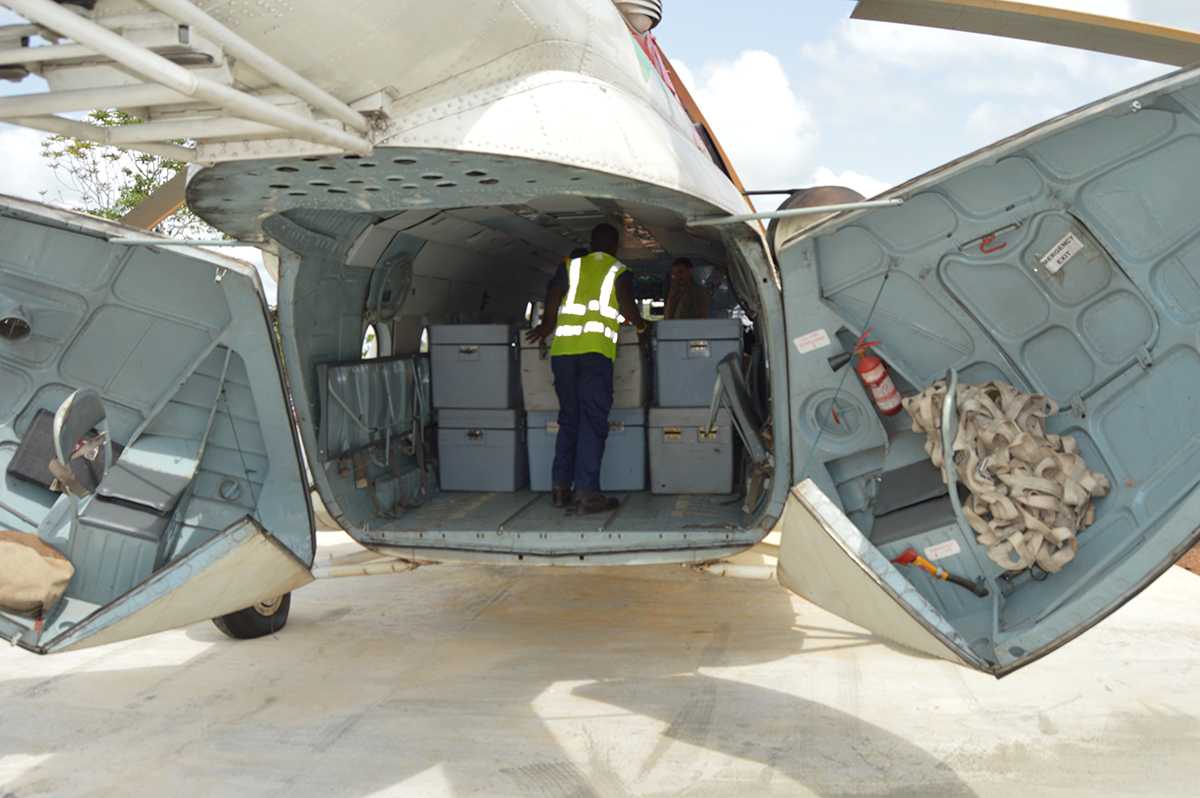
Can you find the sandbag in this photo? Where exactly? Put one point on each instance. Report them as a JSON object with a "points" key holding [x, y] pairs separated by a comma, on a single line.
{"points": [[33, 575], [1031, 491]]}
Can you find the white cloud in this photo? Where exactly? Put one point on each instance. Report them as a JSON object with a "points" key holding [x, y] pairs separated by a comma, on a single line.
{"points": [[897, 100], [864, 184], [768, 131], [23, 172], [990, 121]]}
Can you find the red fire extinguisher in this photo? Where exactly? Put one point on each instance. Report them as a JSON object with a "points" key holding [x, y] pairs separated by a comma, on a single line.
{"points": [[874, 374]]}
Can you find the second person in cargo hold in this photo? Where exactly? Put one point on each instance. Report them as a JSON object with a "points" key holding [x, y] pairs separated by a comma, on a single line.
{"points": [[586, 302]]}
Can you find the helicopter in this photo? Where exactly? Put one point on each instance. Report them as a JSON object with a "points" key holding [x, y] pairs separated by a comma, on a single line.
{"points": [[410, 168]]}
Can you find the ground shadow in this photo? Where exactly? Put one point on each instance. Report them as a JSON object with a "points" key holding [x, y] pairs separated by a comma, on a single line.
{"points": [[447, 680], [827, 751]]}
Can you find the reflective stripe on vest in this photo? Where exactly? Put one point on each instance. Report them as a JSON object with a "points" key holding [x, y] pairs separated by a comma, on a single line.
{"points": [[588, 318], [606, 306], [570, 306]]}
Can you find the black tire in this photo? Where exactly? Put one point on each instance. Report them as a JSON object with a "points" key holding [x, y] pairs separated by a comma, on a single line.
{"points": [[260, 620]]}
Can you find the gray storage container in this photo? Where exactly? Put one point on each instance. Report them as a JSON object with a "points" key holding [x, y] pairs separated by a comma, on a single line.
{"points": [[631, 375], [474, 366], [684, 458], [482, 450], [624, 465], [686, 356]]}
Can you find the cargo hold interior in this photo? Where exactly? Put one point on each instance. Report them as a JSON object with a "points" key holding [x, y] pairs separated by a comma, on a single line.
{"points": [[426, 280]]}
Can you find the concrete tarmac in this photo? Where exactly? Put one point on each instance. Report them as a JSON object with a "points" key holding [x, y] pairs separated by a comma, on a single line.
{"points": [[498, 681]]}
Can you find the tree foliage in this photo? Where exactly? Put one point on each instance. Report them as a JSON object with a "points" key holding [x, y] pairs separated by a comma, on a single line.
{"points": [[110, 181]]}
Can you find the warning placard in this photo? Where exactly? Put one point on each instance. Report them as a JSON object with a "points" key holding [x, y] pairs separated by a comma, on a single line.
{"points": [[810, 342], [941, 551], [1062, 252]]}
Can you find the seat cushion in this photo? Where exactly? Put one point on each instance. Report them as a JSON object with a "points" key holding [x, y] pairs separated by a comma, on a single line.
{"points": [[152, 472], [31, 461]]}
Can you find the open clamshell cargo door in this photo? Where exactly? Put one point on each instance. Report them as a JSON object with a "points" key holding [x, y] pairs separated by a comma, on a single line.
{"points": [[1064, 261], [827, 560], [203, 509], [240, 568]]}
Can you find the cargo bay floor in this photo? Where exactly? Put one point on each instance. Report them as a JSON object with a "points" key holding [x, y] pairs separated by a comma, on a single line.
{"points": [[459, 680], [524, 511]]}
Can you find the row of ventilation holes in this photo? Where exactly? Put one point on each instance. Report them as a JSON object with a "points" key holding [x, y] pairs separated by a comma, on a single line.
{"points": [[431, 176]]}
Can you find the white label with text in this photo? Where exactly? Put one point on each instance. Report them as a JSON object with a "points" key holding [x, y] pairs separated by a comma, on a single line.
{"points": [[942, 550], [1063, 251], [810, 342]]}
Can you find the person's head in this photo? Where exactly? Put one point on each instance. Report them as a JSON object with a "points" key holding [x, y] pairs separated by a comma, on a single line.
{"points": [[605, 238], [681, 271]]}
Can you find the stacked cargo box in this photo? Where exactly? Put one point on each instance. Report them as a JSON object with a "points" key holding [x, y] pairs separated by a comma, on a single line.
{"points": [[624, 464], [477, 395], [686, 456], [498, 412]]}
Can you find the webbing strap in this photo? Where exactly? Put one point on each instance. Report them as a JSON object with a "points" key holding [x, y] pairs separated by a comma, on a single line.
{"points": [[1031, 491]]}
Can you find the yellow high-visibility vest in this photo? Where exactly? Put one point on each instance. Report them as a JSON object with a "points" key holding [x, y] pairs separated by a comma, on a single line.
{"points": [[589, 318]]}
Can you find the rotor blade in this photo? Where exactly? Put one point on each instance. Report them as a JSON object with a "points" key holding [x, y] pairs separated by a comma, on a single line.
{"points": [[1041, 24], [162, 202]]}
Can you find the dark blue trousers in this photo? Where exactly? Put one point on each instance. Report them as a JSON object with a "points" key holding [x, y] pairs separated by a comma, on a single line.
{"points": [[584, 384]]}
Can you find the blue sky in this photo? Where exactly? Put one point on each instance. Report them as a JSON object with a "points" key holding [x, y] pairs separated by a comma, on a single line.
{"points": [[798, 93]]}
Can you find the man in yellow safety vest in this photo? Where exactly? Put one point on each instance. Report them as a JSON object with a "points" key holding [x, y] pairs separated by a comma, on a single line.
{"points": [[586, 302]]}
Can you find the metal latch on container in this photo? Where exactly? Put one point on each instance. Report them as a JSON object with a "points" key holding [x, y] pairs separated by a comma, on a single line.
{"points": [[698, 349], [616, 426], [672, 434], [707, 435], [474, 434], [552, 427], [468, 352]]}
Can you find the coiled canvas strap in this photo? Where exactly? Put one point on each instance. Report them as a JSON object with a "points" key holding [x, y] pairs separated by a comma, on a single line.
{"points": [[1031, 491]]}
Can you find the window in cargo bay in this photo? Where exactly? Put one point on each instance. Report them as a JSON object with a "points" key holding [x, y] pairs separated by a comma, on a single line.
{"points": [[376, 342]]}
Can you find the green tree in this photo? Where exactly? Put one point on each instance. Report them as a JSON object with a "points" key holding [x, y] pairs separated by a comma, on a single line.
{"points": [[110, 181]]}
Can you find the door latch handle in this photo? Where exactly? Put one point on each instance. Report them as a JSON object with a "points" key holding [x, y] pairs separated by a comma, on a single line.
{"points": [[988, 245]]}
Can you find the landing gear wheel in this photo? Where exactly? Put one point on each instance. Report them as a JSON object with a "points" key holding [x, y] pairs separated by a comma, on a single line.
{"points": [[264, 618]]}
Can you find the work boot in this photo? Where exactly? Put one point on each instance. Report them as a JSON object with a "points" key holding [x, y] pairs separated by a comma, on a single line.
{"points": [[593, 502], [560, 496]]}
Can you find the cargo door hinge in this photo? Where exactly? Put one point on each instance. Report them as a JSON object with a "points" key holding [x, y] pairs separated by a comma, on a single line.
{"points": [[1078, 408]]}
